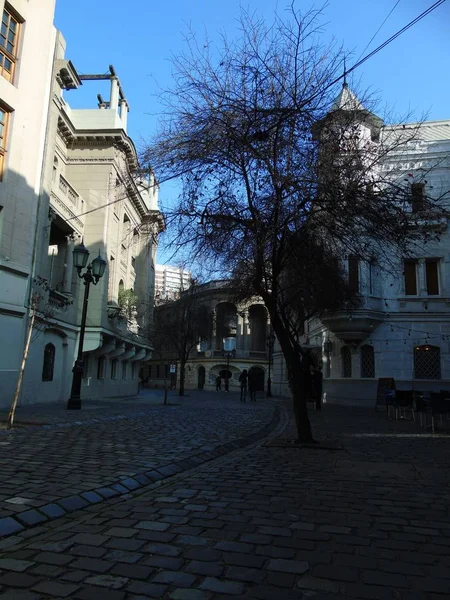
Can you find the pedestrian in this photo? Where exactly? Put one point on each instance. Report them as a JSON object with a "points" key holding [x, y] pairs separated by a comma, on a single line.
{"points": [[317, 382], [252, 384], [218, 384], [227, 383], [243, 377]]}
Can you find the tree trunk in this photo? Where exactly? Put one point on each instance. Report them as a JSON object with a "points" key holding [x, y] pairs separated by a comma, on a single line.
{"points": [[296, 381], [12, 410]]}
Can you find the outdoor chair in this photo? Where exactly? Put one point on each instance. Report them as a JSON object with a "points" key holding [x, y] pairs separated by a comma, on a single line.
{"points": [[390, 403], [421, 406], [440, 406], [404, 401]]}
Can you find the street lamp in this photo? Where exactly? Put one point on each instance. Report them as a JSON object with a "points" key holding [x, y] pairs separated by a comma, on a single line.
{"points": [[229, 355], [270, 343], [94, 272]]}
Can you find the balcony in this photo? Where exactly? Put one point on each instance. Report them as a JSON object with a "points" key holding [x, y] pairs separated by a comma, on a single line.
{"points": [[353, 327]]}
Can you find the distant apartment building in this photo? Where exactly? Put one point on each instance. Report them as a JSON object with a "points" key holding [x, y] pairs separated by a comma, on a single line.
{"points": [[169, 281], [27, 44]]}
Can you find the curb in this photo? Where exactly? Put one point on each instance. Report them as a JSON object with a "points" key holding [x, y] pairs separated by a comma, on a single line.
{"points": [[63, 506]]}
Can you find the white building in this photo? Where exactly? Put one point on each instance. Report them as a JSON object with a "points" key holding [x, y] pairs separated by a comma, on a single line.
{"points": [[27, 43], [87, 186], [402, 329], [169, 281]]}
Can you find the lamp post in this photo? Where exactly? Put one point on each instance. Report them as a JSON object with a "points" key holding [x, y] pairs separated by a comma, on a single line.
{"points": [[270, 343], [227, 378], [94, 272]]}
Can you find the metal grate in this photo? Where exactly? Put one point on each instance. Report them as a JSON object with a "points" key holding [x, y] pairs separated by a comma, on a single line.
{"points": [[427, 362], [367, 361], [346, 360]]}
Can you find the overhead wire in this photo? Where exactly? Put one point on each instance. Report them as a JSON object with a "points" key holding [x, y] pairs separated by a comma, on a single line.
{"points": [[336, 80], [379, 28]]}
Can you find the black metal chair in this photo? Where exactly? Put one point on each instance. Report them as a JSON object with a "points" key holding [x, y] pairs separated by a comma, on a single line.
{"points": [[404, 401], [421, 406], [439, 406]]}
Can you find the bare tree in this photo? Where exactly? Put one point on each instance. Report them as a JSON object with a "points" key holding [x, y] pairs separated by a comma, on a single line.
{"points": [[279, 183], [178, 327]]}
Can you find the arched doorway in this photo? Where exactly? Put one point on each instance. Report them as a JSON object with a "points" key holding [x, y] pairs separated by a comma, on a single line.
{"points": [[201, 378], [257, 374]]}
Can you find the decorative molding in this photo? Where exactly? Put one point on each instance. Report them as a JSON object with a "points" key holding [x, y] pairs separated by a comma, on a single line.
{"points": [[66, 212]]}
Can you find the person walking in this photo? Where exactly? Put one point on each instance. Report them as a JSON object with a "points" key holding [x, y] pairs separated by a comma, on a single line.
{"points": [[252, 385], [317, 383], [218, 383], [243, 377]]}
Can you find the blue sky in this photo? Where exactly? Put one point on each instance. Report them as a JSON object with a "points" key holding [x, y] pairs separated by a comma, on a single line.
{"points": [[139, 36]]}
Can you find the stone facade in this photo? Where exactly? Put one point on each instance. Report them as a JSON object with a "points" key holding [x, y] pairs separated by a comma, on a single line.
{"points": [[402, 329], [236, 339], [25, 80], [90, 190]]}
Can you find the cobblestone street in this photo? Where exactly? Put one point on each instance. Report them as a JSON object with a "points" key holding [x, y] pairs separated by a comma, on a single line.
{"points": [[366, 518]]}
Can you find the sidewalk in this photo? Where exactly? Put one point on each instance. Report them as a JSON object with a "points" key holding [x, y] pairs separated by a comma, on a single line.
{"points": [[56, 461]]}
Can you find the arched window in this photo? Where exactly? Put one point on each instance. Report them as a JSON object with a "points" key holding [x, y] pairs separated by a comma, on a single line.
{"points": [[121, 286], [427, 362], [49, 362], [346, 362], [367, 361]]}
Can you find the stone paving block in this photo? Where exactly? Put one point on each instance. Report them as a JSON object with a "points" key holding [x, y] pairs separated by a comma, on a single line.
{"points": [[98, 593], [152, 590], [268, 592], [211, 569], [132, 571], [177, 578], [9, 525], [92, 564], [20, 580], [288, 566], [124, 544], [155, 536], [130, 483], [73, 503], [12, 564], [152, 525], [164, 562], [88, 551], [243, 560], [284, 580], [203, 554], [184, 594], [89, 539], [154, 475], [54, 588], [163, 549], [107, 492], [245, 574], [91, 497], [121, 532], [52, 558], [337, 573], [109, 581], [52, 510], [232, 588], [31, 517]]}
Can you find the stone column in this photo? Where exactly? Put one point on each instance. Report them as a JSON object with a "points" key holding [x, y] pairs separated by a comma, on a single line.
{"points": [[213, 329], [124, 113], [421, 278], [245, 327], [68, 265], [114, 97]]}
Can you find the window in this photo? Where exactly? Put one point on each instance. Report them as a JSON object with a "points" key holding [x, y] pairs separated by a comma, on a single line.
{"points": [[432, 277], [417, 197], [427, 362], [353, 273], [367, 361], [4, 118], [114, 369], [410, 274], [346, 359], [49, 362], [101, 368], [9, 37], [124, 369]]}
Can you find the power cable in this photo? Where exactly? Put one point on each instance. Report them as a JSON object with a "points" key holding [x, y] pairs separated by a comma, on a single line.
{"points": [[379, 28], [346, 72]]}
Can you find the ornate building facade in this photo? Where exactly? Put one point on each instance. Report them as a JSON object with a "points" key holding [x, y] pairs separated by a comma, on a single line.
{"points": [[91, 191], [402, 329], [235, 338]]}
